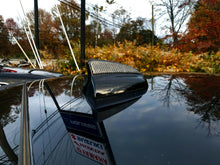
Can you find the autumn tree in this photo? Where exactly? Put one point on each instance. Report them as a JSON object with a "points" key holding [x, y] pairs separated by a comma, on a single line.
{"points": [[4, 42], [106, 38], [135, 31], [13, 28], [70, 13], [15, 31], [90, 31], [97, 10], [48, 33], [203, 33], [176, 13], [121, 16]]}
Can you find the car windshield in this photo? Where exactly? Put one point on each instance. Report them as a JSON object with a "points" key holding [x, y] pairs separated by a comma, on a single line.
{"points": [[175, 122]]}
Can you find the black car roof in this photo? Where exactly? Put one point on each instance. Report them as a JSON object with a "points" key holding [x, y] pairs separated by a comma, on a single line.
{"points": [[174, 122]]}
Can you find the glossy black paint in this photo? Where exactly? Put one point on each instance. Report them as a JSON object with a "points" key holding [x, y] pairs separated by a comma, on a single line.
{"points": [[175, 122], [110, 83]]}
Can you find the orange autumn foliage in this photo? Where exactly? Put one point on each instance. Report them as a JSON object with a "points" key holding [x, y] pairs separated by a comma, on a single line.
{"points": [[146, 59], [203, 33]]}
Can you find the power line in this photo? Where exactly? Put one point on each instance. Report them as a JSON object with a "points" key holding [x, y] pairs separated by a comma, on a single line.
{"points": [[104, 21], [106, 15]]}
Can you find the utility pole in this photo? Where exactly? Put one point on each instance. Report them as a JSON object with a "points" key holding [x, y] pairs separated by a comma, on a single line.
{"points": [[97, 28], [83, 36], [113, 20], [36, 27], [36, 23], [152, 24]]}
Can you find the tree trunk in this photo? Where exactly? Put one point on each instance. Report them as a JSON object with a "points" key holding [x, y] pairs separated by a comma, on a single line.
{"points": [[6, 147]]}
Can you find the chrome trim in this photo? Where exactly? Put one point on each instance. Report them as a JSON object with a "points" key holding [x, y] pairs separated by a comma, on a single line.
{"points": [[25, 150], [3, 83]]}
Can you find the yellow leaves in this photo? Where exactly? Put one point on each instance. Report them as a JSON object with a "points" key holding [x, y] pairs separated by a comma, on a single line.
{"points": [[143, 70], [128, 52], [147, 58], [159, 69], [121, 54]]}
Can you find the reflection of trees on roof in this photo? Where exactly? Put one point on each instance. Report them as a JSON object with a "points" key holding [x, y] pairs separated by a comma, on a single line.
{"points": [[169, 89], [201, 94], [6, 147], [61, 85], [204, 98], [10, 101]]}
